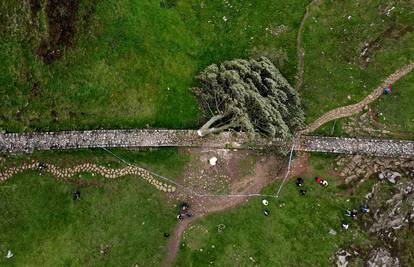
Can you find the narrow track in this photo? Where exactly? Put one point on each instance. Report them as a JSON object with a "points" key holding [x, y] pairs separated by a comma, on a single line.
{"points": [[299, 46]]}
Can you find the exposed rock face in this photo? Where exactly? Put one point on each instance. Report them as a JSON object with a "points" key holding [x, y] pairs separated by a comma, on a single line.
{"points": [[382, 258], [389, 175], [394, 212], [391, 203], [397, 212], [357, 167], [341, 258]]}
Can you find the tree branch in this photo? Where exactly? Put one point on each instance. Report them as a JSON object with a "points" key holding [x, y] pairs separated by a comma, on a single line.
{"points": [[216, 129], [210, 122]]}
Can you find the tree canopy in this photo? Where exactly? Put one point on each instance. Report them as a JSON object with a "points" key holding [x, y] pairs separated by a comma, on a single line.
{"points": [[249, 95]]}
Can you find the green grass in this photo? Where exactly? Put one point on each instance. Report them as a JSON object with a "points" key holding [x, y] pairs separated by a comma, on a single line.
{"points": [[295, 233], [398, 108], [333, 67], [134, 62], [43, 226]]}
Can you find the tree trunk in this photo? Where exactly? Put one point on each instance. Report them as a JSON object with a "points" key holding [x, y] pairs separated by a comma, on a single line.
{"points": [[206, 131], [210, 122]]}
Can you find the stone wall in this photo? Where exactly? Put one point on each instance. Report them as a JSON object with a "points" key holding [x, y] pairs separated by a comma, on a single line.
{"points": [[28, 142], [369, 146]]}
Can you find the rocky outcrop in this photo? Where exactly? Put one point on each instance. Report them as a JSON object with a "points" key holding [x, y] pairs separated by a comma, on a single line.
{"points": [[397, 212], [342, 258], [381, 257], [358, 167], [391, 176]]}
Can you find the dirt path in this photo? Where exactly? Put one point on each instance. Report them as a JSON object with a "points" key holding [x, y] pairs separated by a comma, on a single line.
{"points": [[265, 171], [300, 50], [350, 110]]}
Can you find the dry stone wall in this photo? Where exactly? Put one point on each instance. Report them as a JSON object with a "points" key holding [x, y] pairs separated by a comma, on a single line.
{"points": [[369, 146], [28, 142]]}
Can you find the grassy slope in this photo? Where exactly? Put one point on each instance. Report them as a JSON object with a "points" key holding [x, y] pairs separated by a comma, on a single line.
{"points": [[333, 44], [43, 226], [295, 234], [398, 109], [128, 54]]}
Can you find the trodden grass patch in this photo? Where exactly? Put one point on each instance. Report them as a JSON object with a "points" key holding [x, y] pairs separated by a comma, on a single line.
{"points": [[296, 233]]}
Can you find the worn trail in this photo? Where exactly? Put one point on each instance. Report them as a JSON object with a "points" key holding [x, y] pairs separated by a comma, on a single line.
{"points": [[264, 173], [299, 46]]}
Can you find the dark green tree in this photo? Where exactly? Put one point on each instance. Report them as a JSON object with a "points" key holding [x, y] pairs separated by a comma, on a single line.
{"points": [[249, 95]]}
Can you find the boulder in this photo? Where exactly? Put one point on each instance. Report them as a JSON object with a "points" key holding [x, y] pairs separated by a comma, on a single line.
{"points": [[391, 176]]}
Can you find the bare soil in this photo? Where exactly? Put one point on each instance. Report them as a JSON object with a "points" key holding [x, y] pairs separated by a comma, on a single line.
{"points": [[394, 33], [61, 17], [230, 174]]}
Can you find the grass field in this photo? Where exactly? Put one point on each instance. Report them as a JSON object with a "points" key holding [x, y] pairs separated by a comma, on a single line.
{"points": [[398, 108], [334, 39], [122, 223], [43, 226], [295, 233], [132, 65], [133, 61]]}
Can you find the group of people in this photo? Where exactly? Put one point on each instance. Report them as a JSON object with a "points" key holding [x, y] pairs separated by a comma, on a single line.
{"points": [[184, 211], [348, 213], [353, 214], [300, 184]]}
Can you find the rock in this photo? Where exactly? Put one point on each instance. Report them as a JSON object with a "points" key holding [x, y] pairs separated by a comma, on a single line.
{"points": [[341, 258], [357, 159], [391, 176], [213, 161], [9, 254], [381, 257], [391, 180]]}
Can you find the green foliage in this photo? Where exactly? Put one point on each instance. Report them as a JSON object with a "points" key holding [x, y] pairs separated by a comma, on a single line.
{"points": [[253, 95], [132, 62]]}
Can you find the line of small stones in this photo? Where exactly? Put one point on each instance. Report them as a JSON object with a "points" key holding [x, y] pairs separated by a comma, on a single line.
{"points": [[109, 173], [346, 111]]}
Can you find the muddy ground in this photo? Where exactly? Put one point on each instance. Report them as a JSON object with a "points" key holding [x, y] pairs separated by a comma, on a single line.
{"points": [[61, 20]]}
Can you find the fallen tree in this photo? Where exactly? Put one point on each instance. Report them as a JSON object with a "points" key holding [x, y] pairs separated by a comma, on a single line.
{"points": [[249, 95]]}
